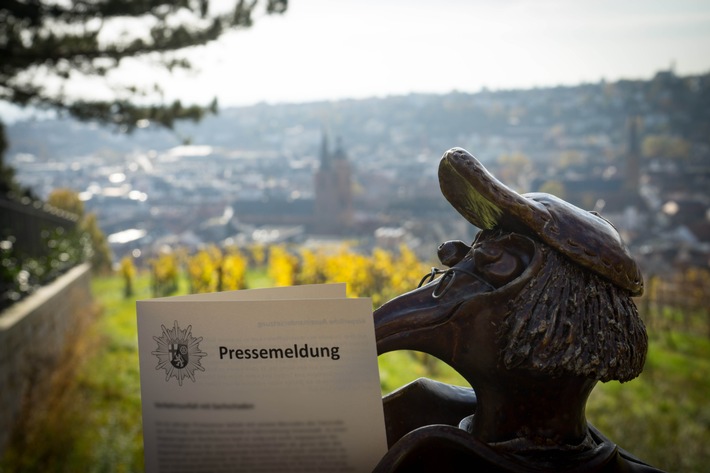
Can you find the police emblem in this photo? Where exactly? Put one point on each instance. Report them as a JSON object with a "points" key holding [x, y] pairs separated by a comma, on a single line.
{"points": [[178, 353]]}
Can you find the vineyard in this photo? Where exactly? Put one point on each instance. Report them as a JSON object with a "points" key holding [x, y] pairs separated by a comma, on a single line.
{"points": [[89, 417], [380, 275]]}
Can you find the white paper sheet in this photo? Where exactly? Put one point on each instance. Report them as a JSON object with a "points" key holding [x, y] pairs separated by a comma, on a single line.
{"points": [[306, 291], [262, 385]]}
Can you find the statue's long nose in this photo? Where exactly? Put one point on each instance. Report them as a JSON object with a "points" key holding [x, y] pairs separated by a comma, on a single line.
{"points": [[417, 320], [400, 323]]}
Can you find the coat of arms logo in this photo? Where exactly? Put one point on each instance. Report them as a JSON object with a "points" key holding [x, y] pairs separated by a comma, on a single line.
{"points": [[178, 353]]}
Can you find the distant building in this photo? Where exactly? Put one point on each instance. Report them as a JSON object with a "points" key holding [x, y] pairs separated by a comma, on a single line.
{"points": [[333, 191], [329, 213]]}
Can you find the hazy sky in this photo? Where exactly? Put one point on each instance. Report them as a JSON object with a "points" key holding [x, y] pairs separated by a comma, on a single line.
{"points": [[332, 49], [329, 49]]}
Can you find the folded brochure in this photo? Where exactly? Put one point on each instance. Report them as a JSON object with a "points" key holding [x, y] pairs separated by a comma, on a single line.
{"points": [[265, 380]]}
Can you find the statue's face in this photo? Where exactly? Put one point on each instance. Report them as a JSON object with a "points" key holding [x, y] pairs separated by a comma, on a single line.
{"points": [[497, 257], [456, 316]]}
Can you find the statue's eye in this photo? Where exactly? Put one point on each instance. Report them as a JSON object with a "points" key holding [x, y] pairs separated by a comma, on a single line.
{"points": [[487, 253], [498, 264]]}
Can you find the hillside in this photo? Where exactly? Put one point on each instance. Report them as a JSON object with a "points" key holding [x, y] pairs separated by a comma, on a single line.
{"points": [[403, 126]]}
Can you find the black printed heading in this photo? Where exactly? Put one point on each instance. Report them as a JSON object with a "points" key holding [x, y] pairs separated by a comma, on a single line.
{"points": [[296, 351]]}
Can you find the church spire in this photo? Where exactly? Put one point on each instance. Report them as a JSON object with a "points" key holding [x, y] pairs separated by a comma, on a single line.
{"points": [[339, 153], [333, 190], [325, 156]]}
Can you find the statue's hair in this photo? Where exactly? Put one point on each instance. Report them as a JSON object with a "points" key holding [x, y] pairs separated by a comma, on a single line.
{"points": [[570, 321]]}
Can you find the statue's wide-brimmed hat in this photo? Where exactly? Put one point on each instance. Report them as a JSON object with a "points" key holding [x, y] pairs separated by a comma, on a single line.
{"points": [[584, 237]]}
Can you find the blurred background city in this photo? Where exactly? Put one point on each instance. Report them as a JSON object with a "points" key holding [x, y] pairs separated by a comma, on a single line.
{"points": [[178, 147]]}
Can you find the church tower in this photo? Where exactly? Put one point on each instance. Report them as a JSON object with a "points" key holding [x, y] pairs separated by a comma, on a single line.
{"points": [[333, 191]]}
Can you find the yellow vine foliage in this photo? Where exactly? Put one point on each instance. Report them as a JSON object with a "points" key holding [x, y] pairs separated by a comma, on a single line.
{"points": [[234, 271], [128, 273], [127, 269], [165, 271], [312, 268], [384, 275], [351, 268], [282, 266], [258, 254], [379, 276], [202, 270], [409, 270]]}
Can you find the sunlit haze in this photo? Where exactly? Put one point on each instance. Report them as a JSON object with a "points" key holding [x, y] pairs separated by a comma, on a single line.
{"points": [[324, 49], [329, 50]]}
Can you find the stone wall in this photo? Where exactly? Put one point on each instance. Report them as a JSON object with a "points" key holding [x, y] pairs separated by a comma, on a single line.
{"points": [[33, 334]]}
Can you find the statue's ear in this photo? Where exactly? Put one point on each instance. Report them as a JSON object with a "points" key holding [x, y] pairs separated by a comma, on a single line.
{"points": [[502, 259]]}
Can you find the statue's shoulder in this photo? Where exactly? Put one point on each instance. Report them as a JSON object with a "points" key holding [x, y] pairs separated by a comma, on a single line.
{"points": [[633, 464], [441, 448], [622, 461], [425, 402], [449, 449]]}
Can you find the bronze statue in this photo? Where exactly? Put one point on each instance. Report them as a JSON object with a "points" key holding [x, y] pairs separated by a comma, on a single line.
{"points": [[532, 315]]}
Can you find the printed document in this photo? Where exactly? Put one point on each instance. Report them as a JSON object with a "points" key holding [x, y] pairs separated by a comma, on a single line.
{"points": [[265, 380]]}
